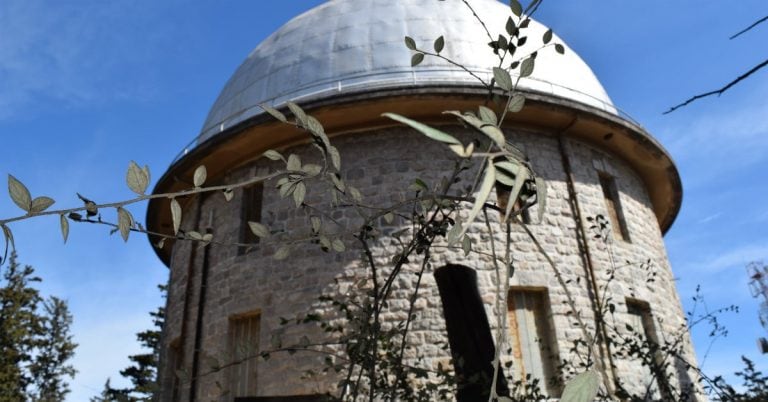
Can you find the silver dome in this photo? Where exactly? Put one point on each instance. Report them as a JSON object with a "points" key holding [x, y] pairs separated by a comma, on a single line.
{"points": [[352, 46]]}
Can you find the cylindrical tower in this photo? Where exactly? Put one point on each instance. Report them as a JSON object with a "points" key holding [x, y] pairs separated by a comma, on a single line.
{"points": [[345, 63]]}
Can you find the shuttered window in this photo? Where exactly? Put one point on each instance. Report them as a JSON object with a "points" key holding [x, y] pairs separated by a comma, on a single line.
{"points": [[532, 339], [244, 349]]}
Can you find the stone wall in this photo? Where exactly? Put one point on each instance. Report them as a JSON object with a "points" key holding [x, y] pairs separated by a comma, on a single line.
{"points": [[381, 165]]}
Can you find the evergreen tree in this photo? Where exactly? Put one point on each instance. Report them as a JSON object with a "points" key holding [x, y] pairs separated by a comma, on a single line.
{"points": [[35, 340], [143, 372]]}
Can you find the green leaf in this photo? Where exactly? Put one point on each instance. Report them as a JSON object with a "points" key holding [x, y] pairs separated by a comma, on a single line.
{"points": [[389, 217], [466, 245], [282, 253], [338, 245], [541, 197], [312, 169], [274, 112], [64, 227], [335, 157], [582, 388], [294, 162], [516, 103], [547, 36], [8, 236], [160, 244], [439, 44], [491, 131], [520, 179], [201, 173], [137, 178], [410, 43], [40, 204], [503, 79], [430, 132], [487, 115], [337, 182], [316, 224], [526, 67], [516, 7], [299, 193], [418, 185], [298, 112], [559, 48], [510, 26], [228, 194], [19, 193], [124, 222], [355, 193], [416, 59], [455, 232], [503, 178], [482, 195], [194, 235], [274, 155], [258, 229], [175, 215]]}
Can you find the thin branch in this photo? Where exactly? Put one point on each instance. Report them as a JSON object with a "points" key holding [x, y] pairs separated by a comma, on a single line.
{"points": [[720, 91], [756, 23]]}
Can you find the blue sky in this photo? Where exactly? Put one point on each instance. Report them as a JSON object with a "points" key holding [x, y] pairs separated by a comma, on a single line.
{"points": [[85, 87]]}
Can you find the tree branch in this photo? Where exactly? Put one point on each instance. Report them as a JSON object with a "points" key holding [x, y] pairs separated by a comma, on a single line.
{"points": [[720, 91], [756, 23]]}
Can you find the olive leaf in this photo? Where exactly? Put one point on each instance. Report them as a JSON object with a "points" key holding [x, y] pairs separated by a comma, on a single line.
{"points": [[517, 8], [137, 178], [301, 116], [299, 193], [282, 253], [64, 227], [335, 157], [274, 155], [258, 229], [338, 245], [274, 113], [487, 115], [439, 44], [175, 215], [503, 79], [480, 199], [582, 388], [294, 162], [416, 59], [198, 178], [410, 43], [40, 204], [124, 222], [19, 193], [516, 103], [430, 132], [526, 67], [547, 36]]}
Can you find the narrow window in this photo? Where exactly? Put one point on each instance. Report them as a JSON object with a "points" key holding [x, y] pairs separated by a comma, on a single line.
{"points": [[613, 205], [251, 212], [534, 353], [244, 351], [651, 365]]}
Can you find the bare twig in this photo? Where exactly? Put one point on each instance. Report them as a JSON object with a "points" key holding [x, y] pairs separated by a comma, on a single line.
{"points": [[720, 91], [756, 23]]}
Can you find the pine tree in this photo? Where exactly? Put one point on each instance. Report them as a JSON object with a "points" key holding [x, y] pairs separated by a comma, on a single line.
{"points": [[143, 372], [35, 340]]}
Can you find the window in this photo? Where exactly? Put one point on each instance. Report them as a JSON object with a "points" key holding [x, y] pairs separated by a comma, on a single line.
{"points": [[534, 353], [244, 350], [641, 321], [613, 205], [251, 212]]}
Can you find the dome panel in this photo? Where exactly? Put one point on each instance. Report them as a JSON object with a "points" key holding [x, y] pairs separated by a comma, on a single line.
{"points": [[350, 46]]}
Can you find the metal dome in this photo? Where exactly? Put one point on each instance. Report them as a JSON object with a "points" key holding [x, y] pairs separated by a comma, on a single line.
{"points": [[353, 46]]}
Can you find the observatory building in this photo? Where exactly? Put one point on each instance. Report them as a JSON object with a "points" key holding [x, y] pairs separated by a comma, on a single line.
{"points": [[345, 63]]}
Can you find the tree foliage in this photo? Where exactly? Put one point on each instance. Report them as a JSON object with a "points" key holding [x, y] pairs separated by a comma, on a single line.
{"points": [[35, 340]]}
